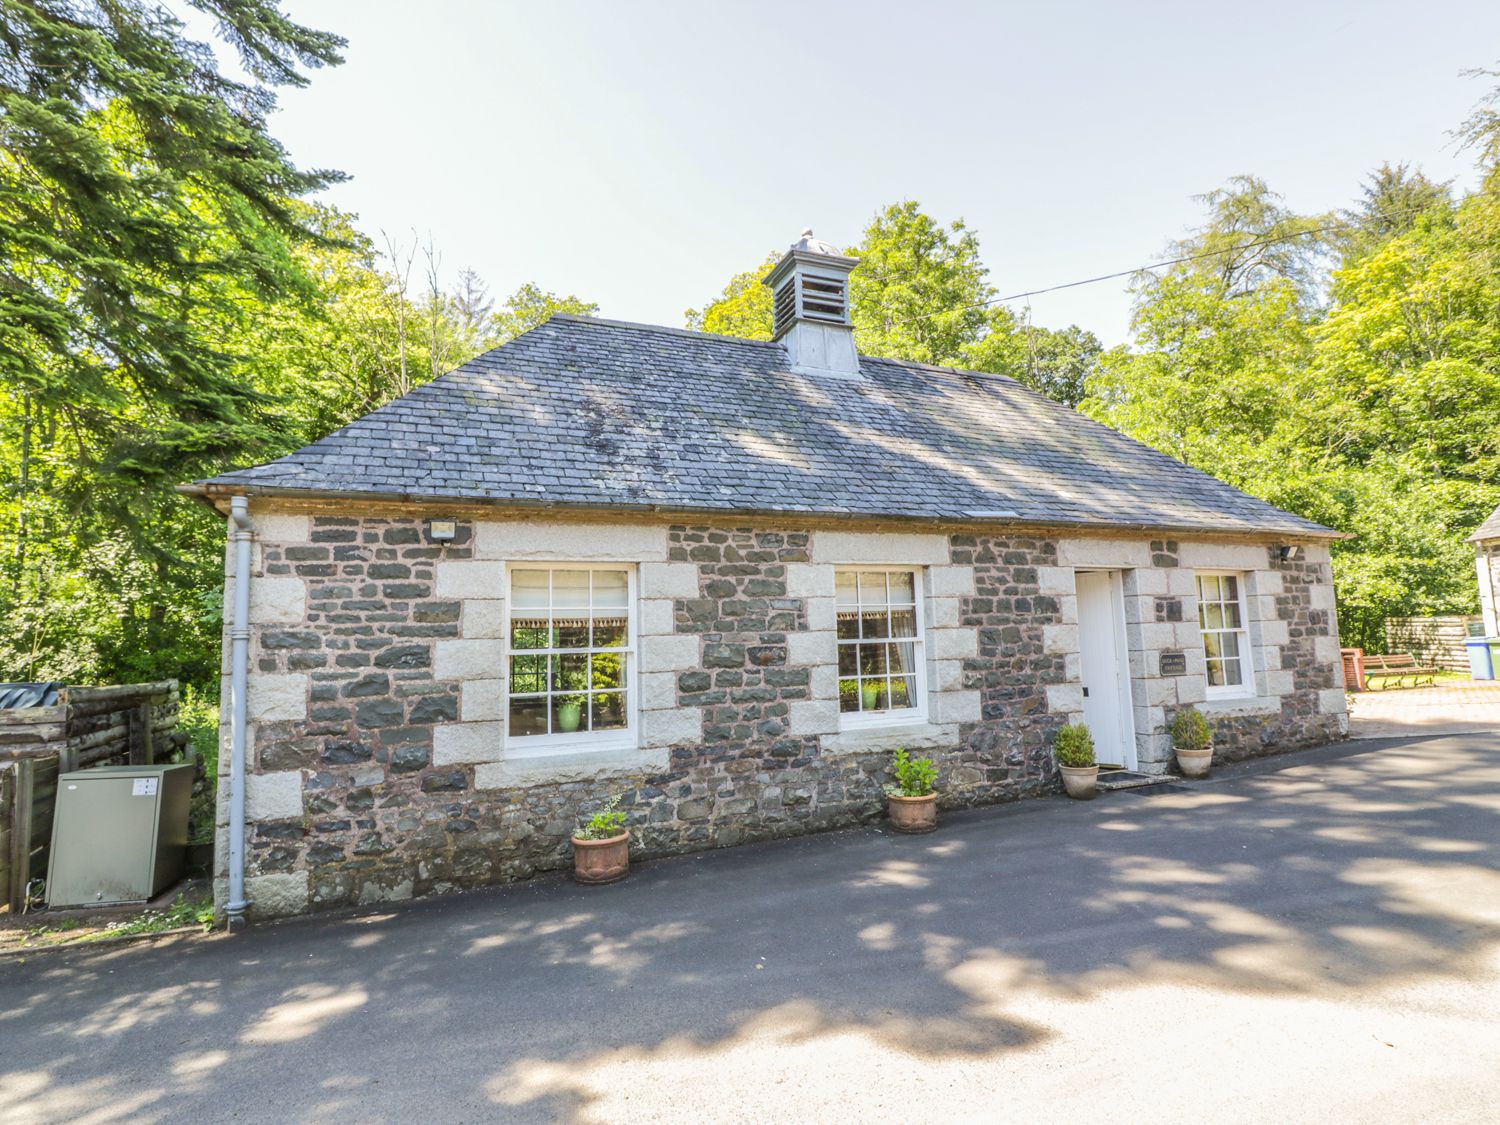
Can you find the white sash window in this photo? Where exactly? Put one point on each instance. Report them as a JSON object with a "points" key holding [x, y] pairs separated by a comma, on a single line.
{"points": [[1226, 635], [879, 639], [570, 653]]}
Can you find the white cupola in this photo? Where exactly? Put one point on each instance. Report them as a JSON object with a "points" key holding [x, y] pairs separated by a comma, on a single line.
{"points": [[810, 302]]}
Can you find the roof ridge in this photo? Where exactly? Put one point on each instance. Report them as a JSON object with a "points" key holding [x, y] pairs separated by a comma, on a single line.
{"points": [[945, 369], [642, 326]]}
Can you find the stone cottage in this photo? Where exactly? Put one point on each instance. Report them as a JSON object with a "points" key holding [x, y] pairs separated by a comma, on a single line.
{"points": [[722, 579], [1486, 542]]}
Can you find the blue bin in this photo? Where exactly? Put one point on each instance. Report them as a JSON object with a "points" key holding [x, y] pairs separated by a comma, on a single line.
{"points": [[1481, 663]]}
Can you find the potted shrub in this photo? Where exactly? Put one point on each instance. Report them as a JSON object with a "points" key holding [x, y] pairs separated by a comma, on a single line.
{"points": [[601, 846], [1193, 741], [1074, 750], [912, 798]]}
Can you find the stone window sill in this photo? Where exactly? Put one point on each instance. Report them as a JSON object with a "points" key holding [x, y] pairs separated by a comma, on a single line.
{"points": [[515, 771], [904, 719], [1242, 705], [913, 736]]}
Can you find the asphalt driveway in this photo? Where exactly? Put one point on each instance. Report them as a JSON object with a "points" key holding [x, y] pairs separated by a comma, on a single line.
{"points": [[1317, 940]]}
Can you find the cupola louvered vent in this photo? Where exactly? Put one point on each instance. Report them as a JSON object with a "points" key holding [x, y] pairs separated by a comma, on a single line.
{"points": [[823, 299], [810, 297], [785, 309], [810, 307]]}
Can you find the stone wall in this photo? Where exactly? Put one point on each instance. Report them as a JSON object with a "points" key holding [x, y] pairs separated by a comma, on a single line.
{"points": [[1298, 697], [1008, 752], [380, 766]]}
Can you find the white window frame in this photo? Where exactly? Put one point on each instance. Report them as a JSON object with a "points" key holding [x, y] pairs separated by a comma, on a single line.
{"points": [[1245, 689], [906, 716], [546, 745]]}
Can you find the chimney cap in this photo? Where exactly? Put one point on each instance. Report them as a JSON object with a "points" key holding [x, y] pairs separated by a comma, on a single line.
{"points": [[810, 245]]}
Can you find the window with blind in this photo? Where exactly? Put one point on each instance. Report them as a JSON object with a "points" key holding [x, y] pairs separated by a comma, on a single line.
{"points": [[571, 644], [1226, 636], [879, 640]]}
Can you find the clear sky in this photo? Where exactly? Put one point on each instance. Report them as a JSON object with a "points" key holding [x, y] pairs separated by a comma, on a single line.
{"points": [[639, 153]]}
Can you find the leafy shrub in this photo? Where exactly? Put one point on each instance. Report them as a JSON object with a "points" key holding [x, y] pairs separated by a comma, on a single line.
{"points": [[1190, 730], [198, 718], [607, 822], [915, 777], [1074, 746]]}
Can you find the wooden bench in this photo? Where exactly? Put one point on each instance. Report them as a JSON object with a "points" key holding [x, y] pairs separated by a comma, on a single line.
{"points": [[1398, 666]]}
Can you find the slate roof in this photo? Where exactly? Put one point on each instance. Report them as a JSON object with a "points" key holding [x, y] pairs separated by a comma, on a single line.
{"points": [[1489, 529], [603, 414]]}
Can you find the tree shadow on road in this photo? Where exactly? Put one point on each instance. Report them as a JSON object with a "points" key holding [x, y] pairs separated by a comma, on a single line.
{"points": [[1334, 876]]}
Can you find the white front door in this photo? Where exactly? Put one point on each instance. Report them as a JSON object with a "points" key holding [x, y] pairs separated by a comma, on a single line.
{"points": [[1106, 672]]}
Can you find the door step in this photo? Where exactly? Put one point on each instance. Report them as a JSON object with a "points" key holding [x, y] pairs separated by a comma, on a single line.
{"points": [[1110, 780]]}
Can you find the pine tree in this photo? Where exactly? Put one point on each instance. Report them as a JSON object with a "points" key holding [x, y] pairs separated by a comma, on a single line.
{"points": [[145, 213], [143, 205]]}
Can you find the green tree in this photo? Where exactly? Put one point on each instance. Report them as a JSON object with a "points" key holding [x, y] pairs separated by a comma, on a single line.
{"points": [[917, 293], [1210, 376], [1391, 202], [142, 198], [1220, 340], [472, 306], [1250, 238], [1406, 376], [1371, 404], [919, 290], [1480, 132], [369, 339], [146, 214], [1056, 362], [529, 307], [1407, 357], [743, 309], [359, 347]]}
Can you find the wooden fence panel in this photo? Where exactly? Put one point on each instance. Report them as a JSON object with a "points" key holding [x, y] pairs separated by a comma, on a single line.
{"points": [[44, 775], [33, 802], [7, 815]]}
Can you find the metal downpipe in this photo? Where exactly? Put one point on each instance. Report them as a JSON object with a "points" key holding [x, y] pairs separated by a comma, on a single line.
{"points": [[239, 664]]}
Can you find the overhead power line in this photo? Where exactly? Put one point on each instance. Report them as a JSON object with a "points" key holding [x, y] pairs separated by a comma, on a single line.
{"points": [[1156, 266]]}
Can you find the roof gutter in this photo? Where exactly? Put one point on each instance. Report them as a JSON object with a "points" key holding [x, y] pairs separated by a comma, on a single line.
{"points": [[214, 494]]}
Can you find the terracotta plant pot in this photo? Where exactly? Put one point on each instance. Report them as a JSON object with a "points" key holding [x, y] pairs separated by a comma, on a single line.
{"points": [[1081, 781], [601, 861], [913, 814], [1194, 763]]}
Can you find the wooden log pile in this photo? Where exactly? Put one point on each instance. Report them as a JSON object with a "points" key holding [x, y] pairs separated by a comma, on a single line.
{"points": [[29, 732], [134, 723], [1436, 641]]}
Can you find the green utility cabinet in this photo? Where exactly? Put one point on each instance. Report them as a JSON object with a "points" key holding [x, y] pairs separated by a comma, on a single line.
{"points": [[119, 833]]}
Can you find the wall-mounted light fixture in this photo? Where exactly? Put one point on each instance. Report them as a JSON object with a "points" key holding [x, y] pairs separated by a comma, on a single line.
{"points": [[1289, 552], [442, 531]]}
